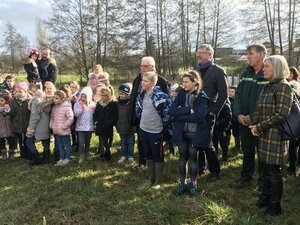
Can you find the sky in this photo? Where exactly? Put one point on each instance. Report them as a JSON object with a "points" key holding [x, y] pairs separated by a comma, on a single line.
{"points": [[23, 15]]}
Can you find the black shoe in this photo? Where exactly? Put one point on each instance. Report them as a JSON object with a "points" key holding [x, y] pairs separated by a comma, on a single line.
{"points": [[262, 204], [241, 184], [272, 211], [213, 177]]}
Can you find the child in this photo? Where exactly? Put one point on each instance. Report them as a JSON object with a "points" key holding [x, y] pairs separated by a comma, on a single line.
{"points": [[9, 84], [220, 129], [74, 85], [2, 83], [31, 67], [152, 108], [97, 77], [60, 122], [105, 117], [83, 111], [38, 128], [20, 114], [5, 129], [97, 96], [124, 128], [234, 126]]}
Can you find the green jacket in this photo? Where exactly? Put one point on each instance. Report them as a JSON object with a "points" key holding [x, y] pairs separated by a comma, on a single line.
{"points": [[248, 91]]}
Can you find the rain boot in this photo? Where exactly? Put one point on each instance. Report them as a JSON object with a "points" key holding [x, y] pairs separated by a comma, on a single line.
{"points": [[3, 153], [151, 171], [159, 173]]}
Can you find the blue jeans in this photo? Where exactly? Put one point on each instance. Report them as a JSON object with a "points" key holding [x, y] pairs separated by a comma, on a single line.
{"points": [[30, 142], [127, 144], [64, 146]]}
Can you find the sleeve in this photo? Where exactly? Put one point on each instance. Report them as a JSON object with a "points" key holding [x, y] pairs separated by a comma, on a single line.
{"points": [[237, 100], [95, 114], [35, 116], [177, 110], [200, 112], [222, 87], [283, 104], [69, 118], [77, 110]]}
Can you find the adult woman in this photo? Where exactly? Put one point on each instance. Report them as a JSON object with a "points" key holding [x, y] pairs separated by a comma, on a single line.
{"points": [[190, 129], [294, 144], [273, 108]]}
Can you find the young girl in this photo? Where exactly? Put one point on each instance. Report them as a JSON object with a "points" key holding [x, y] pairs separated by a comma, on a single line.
{"points": [[5, 128], [30, 65], [60, 122], [105, 117], [38, 128], [83, 111], [190, 131], [97, 77], [20, 114]]}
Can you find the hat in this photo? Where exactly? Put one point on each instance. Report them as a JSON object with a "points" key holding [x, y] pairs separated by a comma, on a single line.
{"points": [[22, 85], [125, 88], [88, 92], [34, 51]]}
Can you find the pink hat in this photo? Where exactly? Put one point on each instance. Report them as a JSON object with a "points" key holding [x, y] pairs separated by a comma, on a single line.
{"points": [[34, 51], [22, 85]]}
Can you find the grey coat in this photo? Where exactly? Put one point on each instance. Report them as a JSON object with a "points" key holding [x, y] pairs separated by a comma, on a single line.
{"points": [[39, 121]]}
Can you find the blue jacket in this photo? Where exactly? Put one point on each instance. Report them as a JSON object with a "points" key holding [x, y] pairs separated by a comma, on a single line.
{"points": [[182, 114], [162, 103]]}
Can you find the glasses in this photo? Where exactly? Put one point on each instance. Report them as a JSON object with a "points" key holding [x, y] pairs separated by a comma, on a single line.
{"points": [[144, 65], [200, 53]]}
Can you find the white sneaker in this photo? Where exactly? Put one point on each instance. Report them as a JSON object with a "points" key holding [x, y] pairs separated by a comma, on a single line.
{"points": [[130, 159], [122, 159], [59, 163], [66, 161]]}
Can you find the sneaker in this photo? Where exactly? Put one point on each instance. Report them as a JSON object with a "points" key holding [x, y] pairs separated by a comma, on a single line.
{"points": [[156, 187], [181, 189], [130, 159], [66, 161], [142, 166], [193, 190], [81, 160], [59, 162], [122, 159]]}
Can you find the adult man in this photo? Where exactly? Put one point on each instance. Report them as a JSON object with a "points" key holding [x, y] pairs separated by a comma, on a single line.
{"points": [[247, 93], [47, 67], [147, 65], [215, 86]]}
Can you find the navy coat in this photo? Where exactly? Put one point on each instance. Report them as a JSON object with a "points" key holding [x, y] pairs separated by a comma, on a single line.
{"points": [[182, 114]]}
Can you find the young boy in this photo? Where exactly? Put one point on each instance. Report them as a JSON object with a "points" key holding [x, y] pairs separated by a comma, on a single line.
{"points": [[152, 108], [9, 83], [124, 128]]}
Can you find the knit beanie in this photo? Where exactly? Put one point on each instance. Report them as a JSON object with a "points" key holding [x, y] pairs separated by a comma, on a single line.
{"points": [[22, 85], [34, 51], [88, 92], [125, 88]]}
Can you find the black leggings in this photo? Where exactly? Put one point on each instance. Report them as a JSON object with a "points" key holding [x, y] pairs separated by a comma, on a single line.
{"points": [[188, 153]]}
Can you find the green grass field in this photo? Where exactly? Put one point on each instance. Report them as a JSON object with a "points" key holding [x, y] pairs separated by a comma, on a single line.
{"points": [[107, 193]]}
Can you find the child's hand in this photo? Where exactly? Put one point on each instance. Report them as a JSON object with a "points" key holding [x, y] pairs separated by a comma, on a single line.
{"points": [[6, 107]]}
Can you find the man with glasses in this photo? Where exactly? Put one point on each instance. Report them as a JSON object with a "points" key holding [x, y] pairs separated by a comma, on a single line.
{"points": [[47, 67], [147, 65], [215, 86]]}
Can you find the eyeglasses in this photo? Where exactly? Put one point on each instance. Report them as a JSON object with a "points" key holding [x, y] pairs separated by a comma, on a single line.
{"points": [[145, 65], [200, 53]]}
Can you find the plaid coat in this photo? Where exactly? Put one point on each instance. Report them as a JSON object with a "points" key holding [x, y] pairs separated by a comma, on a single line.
{"points": [[273, 107]]}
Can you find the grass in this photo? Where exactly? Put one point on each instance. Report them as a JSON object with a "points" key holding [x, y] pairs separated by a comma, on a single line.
{"points": [[107, 193]]}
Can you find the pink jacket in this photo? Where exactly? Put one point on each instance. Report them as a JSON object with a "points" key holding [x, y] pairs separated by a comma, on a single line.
{"points": [[62, 118], [95, 79]]}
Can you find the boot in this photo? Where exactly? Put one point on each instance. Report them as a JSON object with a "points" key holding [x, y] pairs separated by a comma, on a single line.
{"points": [[151, 171], [11, 154], [159, 173], [237, 143], [3, 153], [46, 156], [276, 185]]}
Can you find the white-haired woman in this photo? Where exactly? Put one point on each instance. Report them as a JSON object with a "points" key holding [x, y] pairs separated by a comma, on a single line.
{"points": [[273, 108]]}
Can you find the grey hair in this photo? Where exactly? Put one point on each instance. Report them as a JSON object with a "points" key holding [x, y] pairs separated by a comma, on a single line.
{"points": [[208, 48], [260, 48], [150, 60], [280, 67]]}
